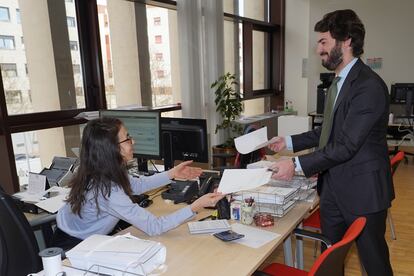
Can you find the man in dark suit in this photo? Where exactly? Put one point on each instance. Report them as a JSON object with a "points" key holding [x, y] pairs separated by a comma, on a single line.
{"points": [[352, 163]]}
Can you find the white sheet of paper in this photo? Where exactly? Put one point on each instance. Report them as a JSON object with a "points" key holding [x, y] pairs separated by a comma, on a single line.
{"points": [[236, 180], [252, 141], [253, 237], [53, 204], [37, 183]]}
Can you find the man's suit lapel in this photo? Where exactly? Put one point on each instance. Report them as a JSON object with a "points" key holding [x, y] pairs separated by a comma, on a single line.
{"points": [[352, 75]]}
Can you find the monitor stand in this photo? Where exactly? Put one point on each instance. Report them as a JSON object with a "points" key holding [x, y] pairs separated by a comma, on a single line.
{"points": [[168, 151], [142, 164]]}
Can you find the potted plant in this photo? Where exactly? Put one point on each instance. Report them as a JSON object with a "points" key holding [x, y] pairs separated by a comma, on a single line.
{"points": [[229, 105]]}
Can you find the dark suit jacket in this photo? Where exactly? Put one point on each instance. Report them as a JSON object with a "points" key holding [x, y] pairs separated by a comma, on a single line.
{"points": [[355, 161]]}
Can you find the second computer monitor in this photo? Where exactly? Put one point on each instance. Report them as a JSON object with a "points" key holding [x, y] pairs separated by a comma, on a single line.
{"points": [[144, 127], [183, 139]]}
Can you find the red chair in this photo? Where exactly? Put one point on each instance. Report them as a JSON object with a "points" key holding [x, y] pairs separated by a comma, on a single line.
{"points": [[330, 262]]}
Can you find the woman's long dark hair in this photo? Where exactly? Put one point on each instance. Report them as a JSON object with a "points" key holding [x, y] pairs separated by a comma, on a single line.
{"points": [[101, 164]]}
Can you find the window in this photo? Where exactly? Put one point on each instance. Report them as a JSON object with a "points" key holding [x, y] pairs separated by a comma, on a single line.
{"points": [[71, 21], [4, 14], [22, 42], [14, 97], [8, 69], [253, 9], [73, 45], [18, 16], [157, 20], [69, 1], [76, 69], [160, 73], [158, 57], [7, 42], [41, 146], [158, 39]]}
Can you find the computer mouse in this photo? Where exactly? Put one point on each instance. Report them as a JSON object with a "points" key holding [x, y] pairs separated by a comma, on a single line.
{"points": [[145, 203]]}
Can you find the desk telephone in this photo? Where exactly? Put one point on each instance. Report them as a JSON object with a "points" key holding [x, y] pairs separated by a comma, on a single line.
{"points": [[208, 183]]}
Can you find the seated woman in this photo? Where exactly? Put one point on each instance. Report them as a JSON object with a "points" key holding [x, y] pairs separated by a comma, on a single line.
{"points": [[101, 189]]}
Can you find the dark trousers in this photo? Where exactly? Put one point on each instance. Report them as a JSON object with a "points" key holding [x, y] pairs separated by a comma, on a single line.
{"points": [[371, 244], [63, 240]]}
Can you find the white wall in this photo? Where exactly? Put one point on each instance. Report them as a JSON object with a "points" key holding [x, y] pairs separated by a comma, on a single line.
{"points": [[297, 37], [388, 26]]}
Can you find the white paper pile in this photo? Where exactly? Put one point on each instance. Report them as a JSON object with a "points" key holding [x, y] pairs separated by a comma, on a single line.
{"points": [[116, 255]]}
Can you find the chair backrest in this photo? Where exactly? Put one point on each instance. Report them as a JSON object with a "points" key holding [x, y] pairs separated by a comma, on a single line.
{"points": [[331, 261], [396, 160], [18, 246]]}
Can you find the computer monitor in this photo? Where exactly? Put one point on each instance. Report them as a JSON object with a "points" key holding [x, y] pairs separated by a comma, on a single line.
{"points": [[144, 127], [183, 139], [403, 93]]}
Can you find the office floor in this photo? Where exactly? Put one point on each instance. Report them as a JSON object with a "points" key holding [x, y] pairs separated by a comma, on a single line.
{"points": [[402, 249]]}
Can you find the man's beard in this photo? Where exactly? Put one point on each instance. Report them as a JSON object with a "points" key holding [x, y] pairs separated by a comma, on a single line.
{"points": [[335, 58]]}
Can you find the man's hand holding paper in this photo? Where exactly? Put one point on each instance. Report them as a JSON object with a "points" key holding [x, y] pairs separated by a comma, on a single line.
{"points": [[253, 141], [277, 144]]}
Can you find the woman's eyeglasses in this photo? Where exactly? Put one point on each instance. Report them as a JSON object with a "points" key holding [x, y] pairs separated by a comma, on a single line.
{"points": [[129, 138]]}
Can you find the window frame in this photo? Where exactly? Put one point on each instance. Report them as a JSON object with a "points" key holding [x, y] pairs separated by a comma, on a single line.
{"points": [[92, 70], [87, 25]]}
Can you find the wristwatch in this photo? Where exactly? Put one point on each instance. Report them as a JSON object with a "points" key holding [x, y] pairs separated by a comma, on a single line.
{"points": [[294, 162]]}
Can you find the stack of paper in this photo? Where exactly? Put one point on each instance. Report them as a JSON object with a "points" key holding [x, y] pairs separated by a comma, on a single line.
{"points": [[267, 194], [117, 255], [208, 226]]}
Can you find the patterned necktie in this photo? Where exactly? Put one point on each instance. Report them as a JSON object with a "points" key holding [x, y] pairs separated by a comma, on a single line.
{"points": [[328, 113]]}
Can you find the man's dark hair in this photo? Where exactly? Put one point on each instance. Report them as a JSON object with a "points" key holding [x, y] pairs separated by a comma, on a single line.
{"points": [[344, 24]]}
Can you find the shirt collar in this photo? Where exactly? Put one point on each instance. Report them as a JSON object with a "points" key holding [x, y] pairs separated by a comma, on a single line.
{"points": [[344, 73]]}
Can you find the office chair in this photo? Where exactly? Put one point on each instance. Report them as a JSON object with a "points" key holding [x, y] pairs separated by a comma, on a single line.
{"points": [[242, 160], [330, 262], [18, 246]]}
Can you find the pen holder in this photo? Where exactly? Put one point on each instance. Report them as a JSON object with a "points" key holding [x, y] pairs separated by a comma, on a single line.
{"points": [[247, 213]]}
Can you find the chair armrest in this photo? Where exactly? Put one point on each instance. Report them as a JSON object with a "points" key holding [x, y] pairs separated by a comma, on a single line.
{"points": [[48, 219], [313, 236]]}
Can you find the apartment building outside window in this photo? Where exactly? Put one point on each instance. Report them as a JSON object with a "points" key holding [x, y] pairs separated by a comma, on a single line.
{"points": [[7, 42], [4, 14]]}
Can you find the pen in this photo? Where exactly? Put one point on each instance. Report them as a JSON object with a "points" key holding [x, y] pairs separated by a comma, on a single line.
{"points": [[275, 170]]}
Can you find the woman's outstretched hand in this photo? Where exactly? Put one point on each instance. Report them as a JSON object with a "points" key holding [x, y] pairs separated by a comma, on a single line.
{"points": [[184, 171]]}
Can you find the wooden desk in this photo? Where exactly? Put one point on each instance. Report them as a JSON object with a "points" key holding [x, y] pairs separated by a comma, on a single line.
{"points": [[206, 255]]}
